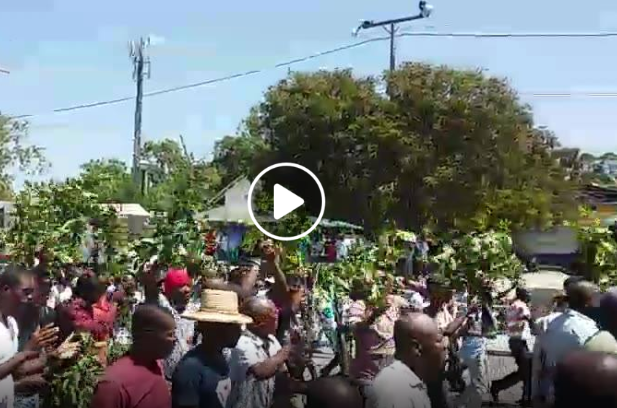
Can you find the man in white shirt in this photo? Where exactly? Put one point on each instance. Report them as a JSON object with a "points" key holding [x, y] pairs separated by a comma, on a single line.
{"points": [[420, 358], [257, 358], [16, 287], [566, 333]]}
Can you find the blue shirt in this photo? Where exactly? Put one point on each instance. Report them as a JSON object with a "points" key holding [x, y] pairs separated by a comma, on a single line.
{"points": [[200, 383]]}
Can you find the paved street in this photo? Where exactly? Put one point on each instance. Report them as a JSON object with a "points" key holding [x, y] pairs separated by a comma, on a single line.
{"points": [[498, 368]]}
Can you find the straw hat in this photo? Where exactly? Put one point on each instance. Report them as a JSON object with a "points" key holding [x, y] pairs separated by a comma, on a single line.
{"points": [[218, 306]]}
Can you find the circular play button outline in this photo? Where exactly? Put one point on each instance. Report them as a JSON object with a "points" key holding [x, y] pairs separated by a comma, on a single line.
{"points": [[250, 201]]}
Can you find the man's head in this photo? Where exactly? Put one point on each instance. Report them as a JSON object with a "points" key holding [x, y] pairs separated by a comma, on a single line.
{"points": [[581, 294], [178, 286], [153, 329], [89, 288], [359, 290], [608, 307], [244, 275], [522, 294], [43, 288], [129, 284], [333, 392], [297, 291], [586, 378], [227, 334], [439, 292], [17, 288], [420, 345], [264, 315], [571, 281]]}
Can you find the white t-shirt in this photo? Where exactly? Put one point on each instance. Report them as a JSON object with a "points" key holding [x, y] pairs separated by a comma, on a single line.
{"points": [[8, 348]]}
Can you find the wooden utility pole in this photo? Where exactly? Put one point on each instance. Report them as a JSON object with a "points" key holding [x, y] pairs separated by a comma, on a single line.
{"points": [[141, 70]]}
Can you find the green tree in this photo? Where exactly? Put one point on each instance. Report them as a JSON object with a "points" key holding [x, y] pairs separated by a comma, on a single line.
{"points": [[15, 153], [110, 180], [446, 149], [176, 179], [180, 182], [234, 156], [54, 217]]}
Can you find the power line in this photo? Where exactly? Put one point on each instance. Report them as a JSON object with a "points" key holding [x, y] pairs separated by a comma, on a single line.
{"points": [[319, 55], [511, 35]]}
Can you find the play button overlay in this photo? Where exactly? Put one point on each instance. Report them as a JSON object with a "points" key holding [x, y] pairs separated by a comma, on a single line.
{"points": [[285, 201], [291, 187]]}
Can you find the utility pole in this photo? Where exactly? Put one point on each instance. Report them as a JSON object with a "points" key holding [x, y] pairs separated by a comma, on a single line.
{"points": [[392, 32], [141, 70], [425, 12]]}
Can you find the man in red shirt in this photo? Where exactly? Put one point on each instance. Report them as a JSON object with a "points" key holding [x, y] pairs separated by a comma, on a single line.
{"points": [[88, 311], [136, 380]]}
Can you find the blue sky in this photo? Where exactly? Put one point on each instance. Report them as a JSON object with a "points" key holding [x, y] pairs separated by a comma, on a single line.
{"points": [[66, 52]]}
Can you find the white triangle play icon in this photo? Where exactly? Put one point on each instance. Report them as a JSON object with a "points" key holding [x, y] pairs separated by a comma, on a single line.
{"points": [[285, 201]]}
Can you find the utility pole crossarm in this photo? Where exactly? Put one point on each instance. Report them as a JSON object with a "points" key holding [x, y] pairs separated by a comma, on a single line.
{"points": [[425, 12], [372, 24]]}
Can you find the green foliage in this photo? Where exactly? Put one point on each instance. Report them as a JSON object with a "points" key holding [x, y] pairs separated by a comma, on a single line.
{"points": [[597, 253], [176, 180], [179, 181], [115, 351], [110, 180], [364, 264], [177, 241], [14, 152], [55, 217], [72, 383], [234, 156], [443, 136], [476, 259]]}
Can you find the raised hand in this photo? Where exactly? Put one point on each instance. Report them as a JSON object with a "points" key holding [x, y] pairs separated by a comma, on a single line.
{"points": [[44, 337]]}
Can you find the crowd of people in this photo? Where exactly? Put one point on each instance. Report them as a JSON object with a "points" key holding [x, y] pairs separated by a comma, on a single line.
{"points": [[239, 342]]}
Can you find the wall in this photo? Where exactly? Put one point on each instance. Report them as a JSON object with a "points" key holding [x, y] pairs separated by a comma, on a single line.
{"points": [[557, 241]]}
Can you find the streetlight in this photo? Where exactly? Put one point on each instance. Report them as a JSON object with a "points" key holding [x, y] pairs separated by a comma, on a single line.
{"points": [[425, 12]]}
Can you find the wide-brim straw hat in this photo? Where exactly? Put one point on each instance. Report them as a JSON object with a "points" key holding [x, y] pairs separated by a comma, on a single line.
{"points": [[218, 306]]}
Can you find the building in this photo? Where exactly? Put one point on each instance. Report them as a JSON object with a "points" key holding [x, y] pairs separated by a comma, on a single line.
{"points": [[608, 167], [6, 208]]}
